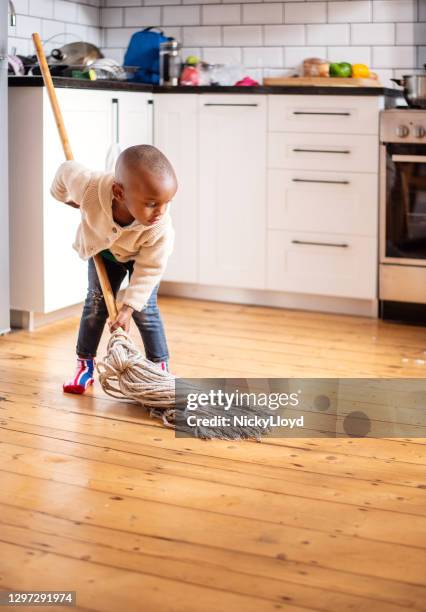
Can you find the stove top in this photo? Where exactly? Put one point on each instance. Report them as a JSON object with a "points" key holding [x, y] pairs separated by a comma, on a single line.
{"points": [[403, 124]]}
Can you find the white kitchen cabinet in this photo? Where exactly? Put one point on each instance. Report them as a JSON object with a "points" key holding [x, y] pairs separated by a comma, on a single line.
{"points": [[316, 151], [47, 274], [330, 202], [232, 191], [176, 135], [324, 114], [341, 265]]}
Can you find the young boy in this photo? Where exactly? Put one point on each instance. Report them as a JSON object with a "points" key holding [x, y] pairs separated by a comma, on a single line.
{"points": [[124, 217]]}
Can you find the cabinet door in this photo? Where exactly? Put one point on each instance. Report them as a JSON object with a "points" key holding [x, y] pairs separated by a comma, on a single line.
{"points": [[176, 134], [339, 265], [135, 117], [232, 190], [87, 117]]}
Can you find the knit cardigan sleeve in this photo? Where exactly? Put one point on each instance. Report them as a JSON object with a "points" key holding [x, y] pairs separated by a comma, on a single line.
{"points": [[71, 182], [149, 267]]}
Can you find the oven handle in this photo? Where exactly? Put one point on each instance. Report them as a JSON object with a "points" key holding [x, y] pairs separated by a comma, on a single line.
{"points": [[416, 159]]}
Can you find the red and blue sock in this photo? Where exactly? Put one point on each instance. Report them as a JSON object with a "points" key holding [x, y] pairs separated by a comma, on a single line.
{"points": [[83, 377]]}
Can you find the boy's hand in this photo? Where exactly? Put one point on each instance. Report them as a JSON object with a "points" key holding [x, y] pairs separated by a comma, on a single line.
{"points": [[122, 320]]}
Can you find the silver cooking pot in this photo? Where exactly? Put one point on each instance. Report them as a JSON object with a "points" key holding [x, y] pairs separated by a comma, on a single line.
{"points": [[414, 89]]}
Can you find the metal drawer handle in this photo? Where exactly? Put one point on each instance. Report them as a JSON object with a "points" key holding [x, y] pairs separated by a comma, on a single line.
{"points": [[342, 245], [344, 152], [297, 180], [338, 114], [229, 104], [415, 159]]}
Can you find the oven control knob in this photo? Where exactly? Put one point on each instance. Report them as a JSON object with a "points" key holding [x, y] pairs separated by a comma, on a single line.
{"points": [[402, 131], [419, 131]]}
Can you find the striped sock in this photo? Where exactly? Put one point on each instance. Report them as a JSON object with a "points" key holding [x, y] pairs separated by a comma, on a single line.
{"points": [[164, 365], [83, 377]]}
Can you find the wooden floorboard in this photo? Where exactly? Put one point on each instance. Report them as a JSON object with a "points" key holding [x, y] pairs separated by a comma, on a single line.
{"points": [[98, 498]]}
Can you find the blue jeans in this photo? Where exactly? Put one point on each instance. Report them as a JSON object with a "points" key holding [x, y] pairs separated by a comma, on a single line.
{"points": [[95, 314]]}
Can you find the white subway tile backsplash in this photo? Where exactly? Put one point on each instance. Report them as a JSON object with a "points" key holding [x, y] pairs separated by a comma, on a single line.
{"points": [[267, 36], [328, 34], [161, 2], [394, 57], [262, 13], [65, 11], [202, 36], [260, 57], [285, 35], [410, 33], [191, 51], [41, 8], [305, 12], [222, 55], [373, 33], [353, 55], [349, 11], [118, 37], [94, 36], [217, 14], [242, 35], [421, 59], [146, 16], [51, 28], [122, 2], [79, 31], [21, 7], [25, 26], [181, 15], [394, 10], [87, 15], [293, 56], [111, 17]]}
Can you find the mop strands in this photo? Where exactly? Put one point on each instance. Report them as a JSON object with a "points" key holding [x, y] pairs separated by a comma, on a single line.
{"points": [[126, 374]]}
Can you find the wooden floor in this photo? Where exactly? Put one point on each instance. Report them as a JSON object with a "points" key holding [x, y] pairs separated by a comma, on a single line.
{"points": [[97, 498]]}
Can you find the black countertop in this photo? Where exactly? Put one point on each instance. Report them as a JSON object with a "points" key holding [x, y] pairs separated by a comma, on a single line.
{"points": [[68, 82]]}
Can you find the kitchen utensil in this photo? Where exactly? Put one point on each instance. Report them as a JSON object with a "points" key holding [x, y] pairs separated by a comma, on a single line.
{"points": [[75, 54], [414, 89], [170, 62]]}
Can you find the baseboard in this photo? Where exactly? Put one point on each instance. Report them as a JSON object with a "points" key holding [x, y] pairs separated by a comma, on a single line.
{"points": [[275, 299], [30, 321]]}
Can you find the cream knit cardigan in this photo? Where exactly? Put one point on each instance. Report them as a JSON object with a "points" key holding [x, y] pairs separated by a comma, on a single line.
{"points": [[149, 246]]}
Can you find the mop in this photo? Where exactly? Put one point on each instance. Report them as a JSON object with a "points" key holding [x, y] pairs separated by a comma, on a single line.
{"points": [[125, 373]]}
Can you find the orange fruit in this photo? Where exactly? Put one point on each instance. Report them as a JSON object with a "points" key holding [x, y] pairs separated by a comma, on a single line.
{"points": [[360, 71]]}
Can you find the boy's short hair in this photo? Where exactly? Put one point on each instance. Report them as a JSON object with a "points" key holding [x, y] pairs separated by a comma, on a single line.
{"points": [[146, 156]]}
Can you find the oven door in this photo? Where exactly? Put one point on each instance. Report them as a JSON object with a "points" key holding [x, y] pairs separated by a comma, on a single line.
{"points": [[403, 204]]}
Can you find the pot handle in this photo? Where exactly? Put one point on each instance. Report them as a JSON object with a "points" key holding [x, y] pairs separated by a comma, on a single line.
{"points": [[399, 82]]}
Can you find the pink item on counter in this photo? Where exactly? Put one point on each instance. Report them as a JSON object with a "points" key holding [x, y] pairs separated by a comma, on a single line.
{"points": [[190, 76], [247, 82]]}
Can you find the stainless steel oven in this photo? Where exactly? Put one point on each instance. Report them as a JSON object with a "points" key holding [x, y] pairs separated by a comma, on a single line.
{"points": [[402, 277]]}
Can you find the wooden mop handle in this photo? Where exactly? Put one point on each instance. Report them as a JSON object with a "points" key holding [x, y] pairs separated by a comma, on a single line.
{"points": [[47, 78]]}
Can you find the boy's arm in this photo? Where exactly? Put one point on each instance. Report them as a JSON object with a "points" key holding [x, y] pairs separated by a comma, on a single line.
{"points": [[70, 183], [148, 269]]}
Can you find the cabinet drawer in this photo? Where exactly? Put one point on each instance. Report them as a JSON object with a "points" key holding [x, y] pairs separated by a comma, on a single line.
{"points": [[324, 264], [335, 152], [325, 114], [330, 202]]}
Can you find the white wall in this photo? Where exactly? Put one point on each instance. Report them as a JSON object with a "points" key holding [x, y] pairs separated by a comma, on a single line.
{"points": [[4, 199], [271, 38], [72, 20]]}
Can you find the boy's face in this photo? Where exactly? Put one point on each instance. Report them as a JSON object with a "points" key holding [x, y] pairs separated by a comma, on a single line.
{"points": [[146, 196]]}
